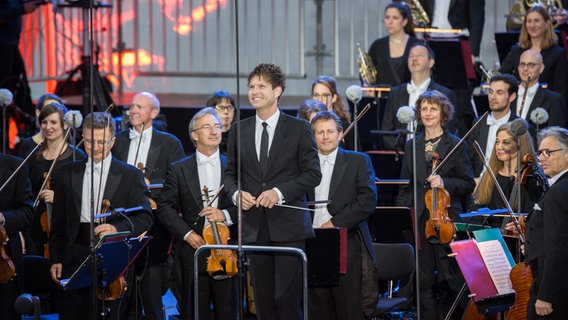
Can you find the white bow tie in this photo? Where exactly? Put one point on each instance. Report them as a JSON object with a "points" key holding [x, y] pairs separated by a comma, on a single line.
{"points": [[205, 160], [134, 135], [97, 168], [412, 88], [491, 121], [327, 159]]}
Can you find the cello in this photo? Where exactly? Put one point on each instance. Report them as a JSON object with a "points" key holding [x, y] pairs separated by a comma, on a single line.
{"points": [[439, 228], [222, 263]]}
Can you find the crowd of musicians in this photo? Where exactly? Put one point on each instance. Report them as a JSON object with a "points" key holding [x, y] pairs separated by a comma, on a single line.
{"points": [[270, 166]]}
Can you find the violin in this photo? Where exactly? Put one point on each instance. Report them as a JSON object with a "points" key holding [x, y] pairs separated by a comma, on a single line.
{"points": [[115, 289], [439, 228], [222, 263], [45, 218], [7, 268], [153, 204]]}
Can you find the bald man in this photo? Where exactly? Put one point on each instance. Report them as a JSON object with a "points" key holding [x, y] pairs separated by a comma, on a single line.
{"points": [[530, 68]]}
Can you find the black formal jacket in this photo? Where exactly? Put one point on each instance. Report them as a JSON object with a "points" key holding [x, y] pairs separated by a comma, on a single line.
{"points": [[165, 148], [464, 14], [125, 188], [546, 239], [16, 202], [480, 134], [555, 72], [353, 193], [397, 98], [550, 101], [183, 193], [293, 168], [456, 173], [379, 51]]}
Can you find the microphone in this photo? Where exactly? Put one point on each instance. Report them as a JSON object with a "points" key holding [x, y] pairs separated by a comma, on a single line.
{"points": [[405, 114], [539, 116], [519, 127], [354, 93], [73, 118], [5, 97]]}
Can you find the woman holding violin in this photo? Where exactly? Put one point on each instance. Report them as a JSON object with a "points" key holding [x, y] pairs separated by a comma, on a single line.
{"points": [[439, 276], [55, 148]]}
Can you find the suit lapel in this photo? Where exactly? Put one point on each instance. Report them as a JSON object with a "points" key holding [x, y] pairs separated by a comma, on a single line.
{"points": [[250, 146], [537, 101], [338, 171], [77, 177], [153, 153], [113, 180]]}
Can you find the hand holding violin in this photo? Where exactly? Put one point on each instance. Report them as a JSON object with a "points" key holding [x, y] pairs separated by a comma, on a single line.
{"points": [[46, 195], [213, 214], [436, 181]]}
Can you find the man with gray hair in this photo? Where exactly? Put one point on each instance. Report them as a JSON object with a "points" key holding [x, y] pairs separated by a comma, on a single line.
{"points": [[183, 191], [547, 231], [150, 150]]}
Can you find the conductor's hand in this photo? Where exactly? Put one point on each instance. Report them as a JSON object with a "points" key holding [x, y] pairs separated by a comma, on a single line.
{"points": [[105, 229], [46, 195], [213, 214], [543, 308], [55, 272], [248, 201], [195, 240], [30, 7], [436, 181], [267, 199]]}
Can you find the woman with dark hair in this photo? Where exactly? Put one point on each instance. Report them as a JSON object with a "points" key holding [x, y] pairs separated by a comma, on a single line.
{"points": [[30, 142], [309, 108], [390, 53], [440, 279], [537, 34], [224, 105], [53, 128], [324, 89]]}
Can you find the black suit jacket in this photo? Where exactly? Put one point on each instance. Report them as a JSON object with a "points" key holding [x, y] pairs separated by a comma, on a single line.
{"points": [[555, 72], [353, 193], [293, 168], [16, 202], [546, 239], [456, 173], [464, 14], [165, 148], [379, 52], [550, 101], [183, 193], [397, 98], [480, 134], [125, 188]]}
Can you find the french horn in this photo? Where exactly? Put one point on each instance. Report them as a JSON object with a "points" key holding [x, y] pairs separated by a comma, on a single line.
{"points": [[516, 15], [367, 69]]}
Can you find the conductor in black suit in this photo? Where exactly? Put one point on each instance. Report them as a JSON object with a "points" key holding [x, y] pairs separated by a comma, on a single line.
{"points": [[421, 60], [547, 232], [115, 181], [154, 151], [183, 192], [279, 164], [16, 213], [348, 180]]}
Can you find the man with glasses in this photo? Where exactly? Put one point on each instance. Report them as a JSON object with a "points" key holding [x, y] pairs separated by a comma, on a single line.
{"points": [[532, 95], [79, 193], [150, 150], [183, 192], [547, 231], [224, 105], [421, 60]]}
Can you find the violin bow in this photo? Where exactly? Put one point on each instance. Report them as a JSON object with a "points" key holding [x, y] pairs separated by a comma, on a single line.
{"points": [[20, 167], [477, 149], [451, 153], [139, 143], [359, 116]]}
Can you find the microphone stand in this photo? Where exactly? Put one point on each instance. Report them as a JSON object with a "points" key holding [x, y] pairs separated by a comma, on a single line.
{"points": [[416, 215], [4, 142], [355, 111]]}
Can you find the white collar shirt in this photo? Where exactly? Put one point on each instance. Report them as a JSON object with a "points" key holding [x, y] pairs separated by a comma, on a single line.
{"points": [[100, 173]]}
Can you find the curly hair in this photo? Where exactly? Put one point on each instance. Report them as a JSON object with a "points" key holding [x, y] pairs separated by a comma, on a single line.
{"points": [[437, 98], [271, 73]]}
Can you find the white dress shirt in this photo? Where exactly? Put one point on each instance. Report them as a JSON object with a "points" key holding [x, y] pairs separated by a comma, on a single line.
{"points": [[327, 163], [99, 188], [528, 100], [144, 146]]}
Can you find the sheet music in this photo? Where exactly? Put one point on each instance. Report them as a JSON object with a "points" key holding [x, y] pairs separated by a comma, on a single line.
{"points": [[497, 264]]}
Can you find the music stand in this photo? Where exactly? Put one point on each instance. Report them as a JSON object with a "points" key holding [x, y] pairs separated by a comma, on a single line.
{"points": [[391, 225], [327, 257], [89, 71], [121, 252], [451, 69]]}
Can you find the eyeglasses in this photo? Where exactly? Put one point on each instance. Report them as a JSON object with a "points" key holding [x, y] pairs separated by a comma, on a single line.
{"points": [[99, 143], [224, 108], [546, 153], [208, 127], [530, 65], [321, 96]]}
